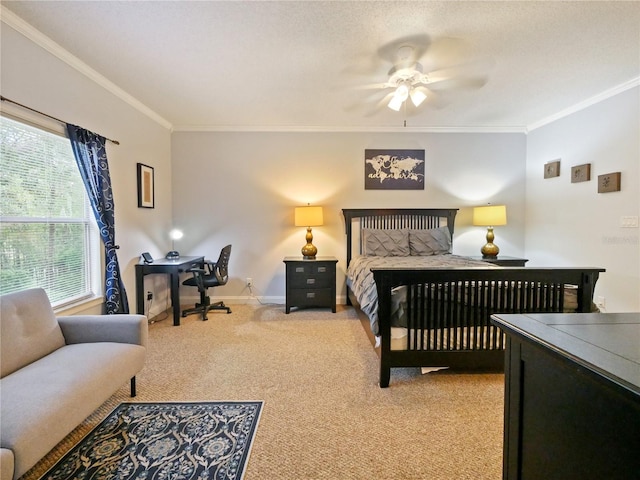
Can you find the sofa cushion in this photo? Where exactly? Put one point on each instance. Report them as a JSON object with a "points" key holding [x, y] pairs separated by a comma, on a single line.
{"points": [[28, 329], [46, 400]]}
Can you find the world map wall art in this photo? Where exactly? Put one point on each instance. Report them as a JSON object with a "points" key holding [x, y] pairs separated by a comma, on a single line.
{"points": [[394, 169]]}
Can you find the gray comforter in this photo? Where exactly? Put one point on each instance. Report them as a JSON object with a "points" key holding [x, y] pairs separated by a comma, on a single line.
{"points": [[360, 278]]}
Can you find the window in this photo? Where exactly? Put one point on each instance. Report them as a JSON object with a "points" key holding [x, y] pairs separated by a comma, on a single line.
{"points": [[48, 236]]}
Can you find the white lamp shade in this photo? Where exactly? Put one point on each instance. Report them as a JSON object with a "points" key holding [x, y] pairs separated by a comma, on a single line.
{"points": [[308, 216], [417, 96], [490, 216], [395, 103], [175, 234]]}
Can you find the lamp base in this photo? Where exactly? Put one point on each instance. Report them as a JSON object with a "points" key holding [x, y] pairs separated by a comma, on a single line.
{"points": [[309, 251], [490, 250]]}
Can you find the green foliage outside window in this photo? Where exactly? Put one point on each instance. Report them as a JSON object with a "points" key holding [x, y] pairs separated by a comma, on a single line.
{"points": [[46, 227]]}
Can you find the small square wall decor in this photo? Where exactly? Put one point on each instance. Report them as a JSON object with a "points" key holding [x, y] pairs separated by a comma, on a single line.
{"points": [[609, 182], [552, 169], [581, 173]]}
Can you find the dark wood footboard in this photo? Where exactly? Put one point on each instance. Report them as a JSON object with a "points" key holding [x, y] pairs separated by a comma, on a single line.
{"points": [[447, 311]]}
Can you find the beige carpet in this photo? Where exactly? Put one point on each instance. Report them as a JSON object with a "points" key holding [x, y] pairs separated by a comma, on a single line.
{"points": [[324, 415]]}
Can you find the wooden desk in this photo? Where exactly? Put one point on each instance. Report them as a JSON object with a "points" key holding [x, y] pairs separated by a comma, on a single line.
{"points": [[572, 396], [172, 267]]}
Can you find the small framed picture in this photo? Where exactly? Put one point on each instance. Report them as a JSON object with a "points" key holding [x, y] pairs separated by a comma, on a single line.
{"points": [[552, 169], [609, 182], [146, 198], [581, 173]]}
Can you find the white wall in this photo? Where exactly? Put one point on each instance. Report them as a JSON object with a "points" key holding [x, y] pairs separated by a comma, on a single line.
{"points": [[32, 76], [570, 224], [241, 188]]}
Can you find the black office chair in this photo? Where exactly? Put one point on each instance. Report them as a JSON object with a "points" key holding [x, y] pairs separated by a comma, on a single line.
{"points": [[212, 275]]}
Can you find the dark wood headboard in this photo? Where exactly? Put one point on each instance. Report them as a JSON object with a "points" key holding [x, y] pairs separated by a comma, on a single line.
{"points": [[414, 218]]}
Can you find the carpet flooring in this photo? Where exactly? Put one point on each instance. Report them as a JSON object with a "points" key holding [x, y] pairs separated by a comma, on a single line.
{"points": [[324, 415]]}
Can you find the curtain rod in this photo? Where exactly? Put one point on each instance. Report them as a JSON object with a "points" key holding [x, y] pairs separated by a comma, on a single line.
{"points": [[5, 99]]}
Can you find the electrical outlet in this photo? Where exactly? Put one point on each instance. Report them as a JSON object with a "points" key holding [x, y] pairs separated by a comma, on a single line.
{"points": [[629, 221], [249, 282], [149, 296]]}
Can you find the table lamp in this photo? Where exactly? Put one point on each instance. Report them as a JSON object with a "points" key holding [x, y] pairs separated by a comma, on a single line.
{"points": [[174, 234], [308, 217], [490, 216]]}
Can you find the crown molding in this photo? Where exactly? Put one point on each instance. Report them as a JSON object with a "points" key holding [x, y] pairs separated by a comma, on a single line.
{"points": [[40, 39], [623, 87], [335, 129]]}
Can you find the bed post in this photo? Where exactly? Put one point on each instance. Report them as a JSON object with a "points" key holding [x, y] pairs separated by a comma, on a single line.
{"points": [[348, 227], [383, 286], [586, 289]]}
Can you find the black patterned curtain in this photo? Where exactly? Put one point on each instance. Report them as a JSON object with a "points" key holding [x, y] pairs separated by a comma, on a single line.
{"points": [[91, 157]]}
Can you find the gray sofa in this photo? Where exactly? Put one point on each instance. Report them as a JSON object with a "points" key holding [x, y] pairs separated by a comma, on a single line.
{"points": [[56, 371]]}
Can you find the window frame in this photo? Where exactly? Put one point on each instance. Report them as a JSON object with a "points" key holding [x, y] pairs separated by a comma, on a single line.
{"points": [[94, 263]]}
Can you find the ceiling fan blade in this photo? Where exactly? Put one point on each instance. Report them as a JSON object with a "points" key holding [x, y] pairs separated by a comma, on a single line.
{"points": [[397, 54], [371, 86], [445, 51], [381, 104], [461, 68]]}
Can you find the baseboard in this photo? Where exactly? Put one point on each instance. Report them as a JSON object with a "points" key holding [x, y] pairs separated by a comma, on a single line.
{"points": [[247, 300]]}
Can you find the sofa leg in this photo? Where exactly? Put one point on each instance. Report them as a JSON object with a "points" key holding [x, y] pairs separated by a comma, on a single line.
{"points": [[133, 386]]}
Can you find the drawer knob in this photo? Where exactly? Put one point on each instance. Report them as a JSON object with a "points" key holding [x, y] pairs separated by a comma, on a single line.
{"points": [[299, 269], [311, 294], [322, 269], [311, 281]]}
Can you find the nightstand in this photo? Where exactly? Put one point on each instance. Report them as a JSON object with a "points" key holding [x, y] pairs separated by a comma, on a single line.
{"points": [[504, 261], [310, 283]]}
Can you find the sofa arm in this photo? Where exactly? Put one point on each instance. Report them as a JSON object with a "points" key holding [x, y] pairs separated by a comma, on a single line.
{"points": [[7, 463], [121, 328]]}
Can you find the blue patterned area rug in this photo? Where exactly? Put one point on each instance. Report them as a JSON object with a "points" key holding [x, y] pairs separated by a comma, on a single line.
{"points": [[162, 441]]}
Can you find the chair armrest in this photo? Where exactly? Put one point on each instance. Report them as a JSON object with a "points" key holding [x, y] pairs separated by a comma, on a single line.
{"points": [[121, 328], [196, 270]]}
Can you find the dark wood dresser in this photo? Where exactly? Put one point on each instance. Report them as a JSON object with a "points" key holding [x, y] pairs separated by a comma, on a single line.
{"points": [[310, 283], [572, 396]]}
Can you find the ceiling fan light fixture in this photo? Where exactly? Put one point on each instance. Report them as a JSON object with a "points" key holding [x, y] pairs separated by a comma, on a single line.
{"points": [[417, 96], [395, 103], [402, 92]]}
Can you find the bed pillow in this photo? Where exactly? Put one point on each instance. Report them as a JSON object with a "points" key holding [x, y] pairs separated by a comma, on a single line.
{"points": [[385, 243], [435, 241]]}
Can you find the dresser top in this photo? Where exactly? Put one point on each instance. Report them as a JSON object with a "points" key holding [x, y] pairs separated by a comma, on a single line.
{"points": [[606, 343]]}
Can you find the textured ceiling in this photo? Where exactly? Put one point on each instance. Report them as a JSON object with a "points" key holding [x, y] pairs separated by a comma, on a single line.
{"points": [[296, 64]]}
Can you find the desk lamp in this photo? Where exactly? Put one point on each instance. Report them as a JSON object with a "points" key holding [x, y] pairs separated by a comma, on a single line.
{"points": [[308, 217], [175, 234], [490, 216]]}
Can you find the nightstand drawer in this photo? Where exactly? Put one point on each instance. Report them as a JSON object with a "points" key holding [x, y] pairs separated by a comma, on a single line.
{"points": [[311, 297], [309, 280]]}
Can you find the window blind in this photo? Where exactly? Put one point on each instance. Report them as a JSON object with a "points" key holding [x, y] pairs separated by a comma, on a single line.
{"points": [[48, 236]]}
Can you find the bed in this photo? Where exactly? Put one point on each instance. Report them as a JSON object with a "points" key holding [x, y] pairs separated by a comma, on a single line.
{"points": [[421, 306]]}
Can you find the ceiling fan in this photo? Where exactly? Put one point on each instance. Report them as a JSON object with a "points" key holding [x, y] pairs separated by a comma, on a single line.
{"points": [[407, 79], [423, 69]]}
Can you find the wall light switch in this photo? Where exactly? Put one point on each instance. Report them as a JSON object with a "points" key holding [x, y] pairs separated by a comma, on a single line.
{"points": [[629, 221]]}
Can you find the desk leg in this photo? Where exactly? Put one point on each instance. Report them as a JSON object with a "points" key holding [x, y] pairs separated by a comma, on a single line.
{"points": [[139, 293], [175, 297]]}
